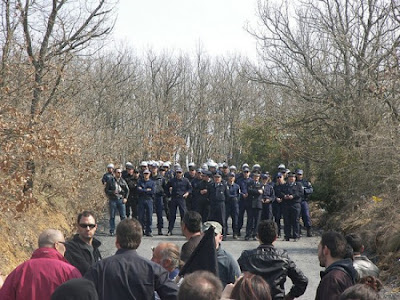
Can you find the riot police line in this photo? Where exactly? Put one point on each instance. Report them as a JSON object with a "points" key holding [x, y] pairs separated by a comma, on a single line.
{"points": [[216, 191]]}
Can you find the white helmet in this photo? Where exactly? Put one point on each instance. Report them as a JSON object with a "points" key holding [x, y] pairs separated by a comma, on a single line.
{"points": [[109, 166], [281, 166], [143, 164]]}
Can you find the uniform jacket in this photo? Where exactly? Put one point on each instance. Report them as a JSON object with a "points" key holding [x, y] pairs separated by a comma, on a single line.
{"points": [[307, 189], [269, 192], [142, 187], [202, 185], [234, 191], [179, 187], [218, 192], [243, 183], [274, 265], [38, 277], [295, 189], [159, 185], [254, 196], [335, 279], [79, 255], [111, 187], [128, 276]]}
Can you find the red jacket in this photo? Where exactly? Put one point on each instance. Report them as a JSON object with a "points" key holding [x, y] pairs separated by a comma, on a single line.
{"points": [[38, 277]]}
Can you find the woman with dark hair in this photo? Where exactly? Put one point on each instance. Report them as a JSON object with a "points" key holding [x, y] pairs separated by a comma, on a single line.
{"points": [[251, 286]]}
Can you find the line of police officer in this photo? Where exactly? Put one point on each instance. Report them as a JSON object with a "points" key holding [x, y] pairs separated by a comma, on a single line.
{"points": [[217, 192]]}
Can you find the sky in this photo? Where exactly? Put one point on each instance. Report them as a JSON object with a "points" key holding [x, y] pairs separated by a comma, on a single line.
{"points": [[184, 25]]}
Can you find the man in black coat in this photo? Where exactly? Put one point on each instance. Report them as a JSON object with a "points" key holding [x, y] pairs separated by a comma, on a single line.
{"points": [[273, 264], [291, 193], [218, 193], [126, 275], [83, 250]]}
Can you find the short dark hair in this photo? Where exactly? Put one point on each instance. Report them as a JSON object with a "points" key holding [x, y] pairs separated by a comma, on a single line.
{"points": [[355, 241], [251, 286], [267, 231], [86, 213], [200, 285], [359, 291], [129, 233], [335, 242], [192, 221]]}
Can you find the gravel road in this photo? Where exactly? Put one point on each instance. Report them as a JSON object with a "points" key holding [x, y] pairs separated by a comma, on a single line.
{"points": [[303, 252]]}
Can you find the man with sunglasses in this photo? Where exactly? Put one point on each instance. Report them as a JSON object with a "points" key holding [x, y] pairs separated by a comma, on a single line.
{"points": [[83, 249]]}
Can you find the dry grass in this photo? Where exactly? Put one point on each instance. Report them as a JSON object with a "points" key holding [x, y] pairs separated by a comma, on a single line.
{"points": [[378, 224]]}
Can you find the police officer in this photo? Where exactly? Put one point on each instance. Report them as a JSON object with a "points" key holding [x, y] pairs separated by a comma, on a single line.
{"points": [[225, 172], [305, 211], [179, 189], [218, 194], [244, 204], [200, 195], [232, 204], [255, 191], [268, 197], [291, 193], [159, 187], [190, 175], [145, 206], [131, 177]]}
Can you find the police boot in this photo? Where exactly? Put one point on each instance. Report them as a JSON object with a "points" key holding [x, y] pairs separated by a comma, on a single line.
{"points": [[309, 232]]}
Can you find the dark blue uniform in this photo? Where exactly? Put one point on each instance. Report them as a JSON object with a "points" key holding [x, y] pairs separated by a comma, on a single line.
{"points": [[159, 187], [232, 206], [201, 201], [291, 209], [305, 211], [244, 204], [145, 190], [269, 195], [277, 207], [254, 212], [218, 194], [176, 188]]}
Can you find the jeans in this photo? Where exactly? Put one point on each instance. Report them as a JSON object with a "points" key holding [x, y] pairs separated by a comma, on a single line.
{"points": [[116, 204]]}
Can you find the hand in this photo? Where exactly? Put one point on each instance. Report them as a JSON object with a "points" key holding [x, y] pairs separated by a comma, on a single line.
{"points": [[260, 191], [148, 189], [290, 197], [203, 192], [226, 293], [279, 200], [125, 200], [245, 195], [185, 195], [267, 201]]}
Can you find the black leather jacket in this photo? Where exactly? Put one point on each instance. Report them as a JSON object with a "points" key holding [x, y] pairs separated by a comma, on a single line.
{"points": [[274, 265]]}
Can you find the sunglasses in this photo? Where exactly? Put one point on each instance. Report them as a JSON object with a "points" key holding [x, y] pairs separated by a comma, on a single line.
{"points": [[91, 226]]}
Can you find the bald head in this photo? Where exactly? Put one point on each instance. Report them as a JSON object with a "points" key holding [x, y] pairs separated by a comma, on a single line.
{"points": [[52, 238]]}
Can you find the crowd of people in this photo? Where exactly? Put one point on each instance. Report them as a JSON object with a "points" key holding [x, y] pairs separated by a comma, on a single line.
{"points": [[74, 269], [216, 191], [201, 269]]}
